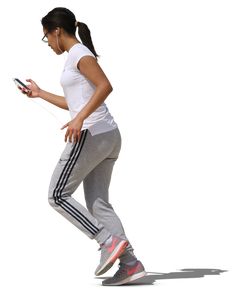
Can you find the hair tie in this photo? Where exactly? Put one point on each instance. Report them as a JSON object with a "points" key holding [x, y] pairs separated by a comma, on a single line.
{"points": [[76, 23]]}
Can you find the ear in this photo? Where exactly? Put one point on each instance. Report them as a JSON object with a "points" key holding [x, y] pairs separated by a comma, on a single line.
{"points": [[57, 31]]}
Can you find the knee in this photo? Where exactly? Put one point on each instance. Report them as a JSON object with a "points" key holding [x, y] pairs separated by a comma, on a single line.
{"points": [[56, 198], [51, 200]]}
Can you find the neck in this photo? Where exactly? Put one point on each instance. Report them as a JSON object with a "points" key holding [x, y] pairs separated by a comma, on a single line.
{"points": [[70, 42]]}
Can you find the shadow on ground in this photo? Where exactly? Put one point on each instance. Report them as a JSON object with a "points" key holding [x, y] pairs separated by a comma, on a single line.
{"points": [[151, 277]]}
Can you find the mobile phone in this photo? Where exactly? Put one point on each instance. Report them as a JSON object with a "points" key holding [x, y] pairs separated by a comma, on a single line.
{"points": [[20, 84]]}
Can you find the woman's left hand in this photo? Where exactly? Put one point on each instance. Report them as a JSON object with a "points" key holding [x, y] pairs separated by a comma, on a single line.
{"points": [[73, 130]]}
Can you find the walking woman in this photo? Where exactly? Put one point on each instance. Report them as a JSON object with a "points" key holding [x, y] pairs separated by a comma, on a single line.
{"points": [[93, 144]]}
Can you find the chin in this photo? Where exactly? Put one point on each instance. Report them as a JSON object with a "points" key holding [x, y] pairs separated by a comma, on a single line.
{"points": [[60, 53], [57, 52]]}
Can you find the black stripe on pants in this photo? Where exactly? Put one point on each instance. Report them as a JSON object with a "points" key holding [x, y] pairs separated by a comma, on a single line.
{"points": [[63, 179]]}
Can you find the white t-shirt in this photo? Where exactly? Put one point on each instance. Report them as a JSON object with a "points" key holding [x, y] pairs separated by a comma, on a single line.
{"points": [[78, 91]]}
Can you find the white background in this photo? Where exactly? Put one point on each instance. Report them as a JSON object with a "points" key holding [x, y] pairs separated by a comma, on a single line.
{"points": [[172, 67]]}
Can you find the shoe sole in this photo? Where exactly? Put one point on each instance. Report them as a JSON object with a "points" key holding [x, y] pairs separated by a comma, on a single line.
{"points": [[128, 279], [118, 251]]}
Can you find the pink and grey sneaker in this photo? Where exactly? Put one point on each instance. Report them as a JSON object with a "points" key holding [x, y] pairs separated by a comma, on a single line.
{"points": [[126, 274], [110, 253]]}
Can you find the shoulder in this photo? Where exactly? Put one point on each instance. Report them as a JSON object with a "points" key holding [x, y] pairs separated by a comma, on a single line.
{"points": [[80, 50]]}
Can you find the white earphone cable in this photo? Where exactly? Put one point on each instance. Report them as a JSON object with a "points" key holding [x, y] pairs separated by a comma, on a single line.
{"points": [[47, 110], [42, 106], [57, 42]]}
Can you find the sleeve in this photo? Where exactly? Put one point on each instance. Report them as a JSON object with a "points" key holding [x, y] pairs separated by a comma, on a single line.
{"points": [[80, 53]]}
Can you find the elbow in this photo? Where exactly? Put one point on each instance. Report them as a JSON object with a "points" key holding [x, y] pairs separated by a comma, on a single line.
{"points": [[109, 88], [105, 88]]}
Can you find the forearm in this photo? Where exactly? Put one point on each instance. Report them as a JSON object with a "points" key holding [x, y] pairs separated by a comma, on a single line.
{"points": [[96, 100], [53, 99]]}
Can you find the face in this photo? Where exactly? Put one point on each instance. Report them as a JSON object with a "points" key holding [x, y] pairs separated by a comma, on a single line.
{"points": [[52, 39]]}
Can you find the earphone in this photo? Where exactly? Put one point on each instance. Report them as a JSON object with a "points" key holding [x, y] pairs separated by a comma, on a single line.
{"points": [[57, 42]]}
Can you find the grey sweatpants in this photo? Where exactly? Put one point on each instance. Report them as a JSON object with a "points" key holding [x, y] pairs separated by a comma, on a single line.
{"points": [[90, 161]]}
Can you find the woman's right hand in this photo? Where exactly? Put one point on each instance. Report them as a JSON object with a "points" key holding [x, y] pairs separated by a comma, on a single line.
{"points": [[34, 89]]}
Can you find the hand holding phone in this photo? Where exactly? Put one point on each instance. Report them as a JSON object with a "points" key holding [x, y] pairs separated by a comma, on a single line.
{"points": [[32, 90], [21, 85]]}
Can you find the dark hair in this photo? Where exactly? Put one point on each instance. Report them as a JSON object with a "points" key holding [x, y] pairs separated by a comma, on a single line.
{"points": [[64, 18]]}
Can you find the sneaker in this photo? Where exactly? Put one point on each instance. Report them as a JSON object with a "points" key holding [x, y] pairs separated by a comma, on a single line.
{"points": [[126, 274], [110, 253]]}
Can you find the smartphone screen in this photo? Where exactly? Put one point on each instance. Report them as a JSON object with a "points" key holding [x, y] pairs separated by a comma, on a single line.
{"points": [[20, 84]]}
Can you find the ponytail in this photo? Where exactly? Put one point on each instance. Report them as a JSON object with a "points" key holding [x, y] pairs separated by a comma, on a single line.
{"points": [[64, 18], [85, 36]]}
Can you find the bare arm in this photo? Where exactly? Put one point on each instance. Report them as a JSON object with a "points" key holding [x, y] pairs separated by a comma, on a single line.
{"points": [[89, 67], [35, 91], [53, 99]]}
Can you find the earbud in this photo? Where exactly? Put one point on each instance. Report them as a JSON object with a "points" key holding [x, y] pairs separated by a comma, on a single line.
{"points": [[57, 42]]}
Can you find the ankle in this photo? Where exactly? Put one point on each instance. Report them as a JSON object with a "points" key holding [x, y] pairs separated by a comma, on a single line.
{"points": [[108, 241], [129, 263]]}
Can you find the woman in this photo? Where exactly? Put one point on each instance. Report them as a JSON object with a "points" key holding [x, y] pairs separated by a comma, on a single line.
{"points": [[93, 144]]}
